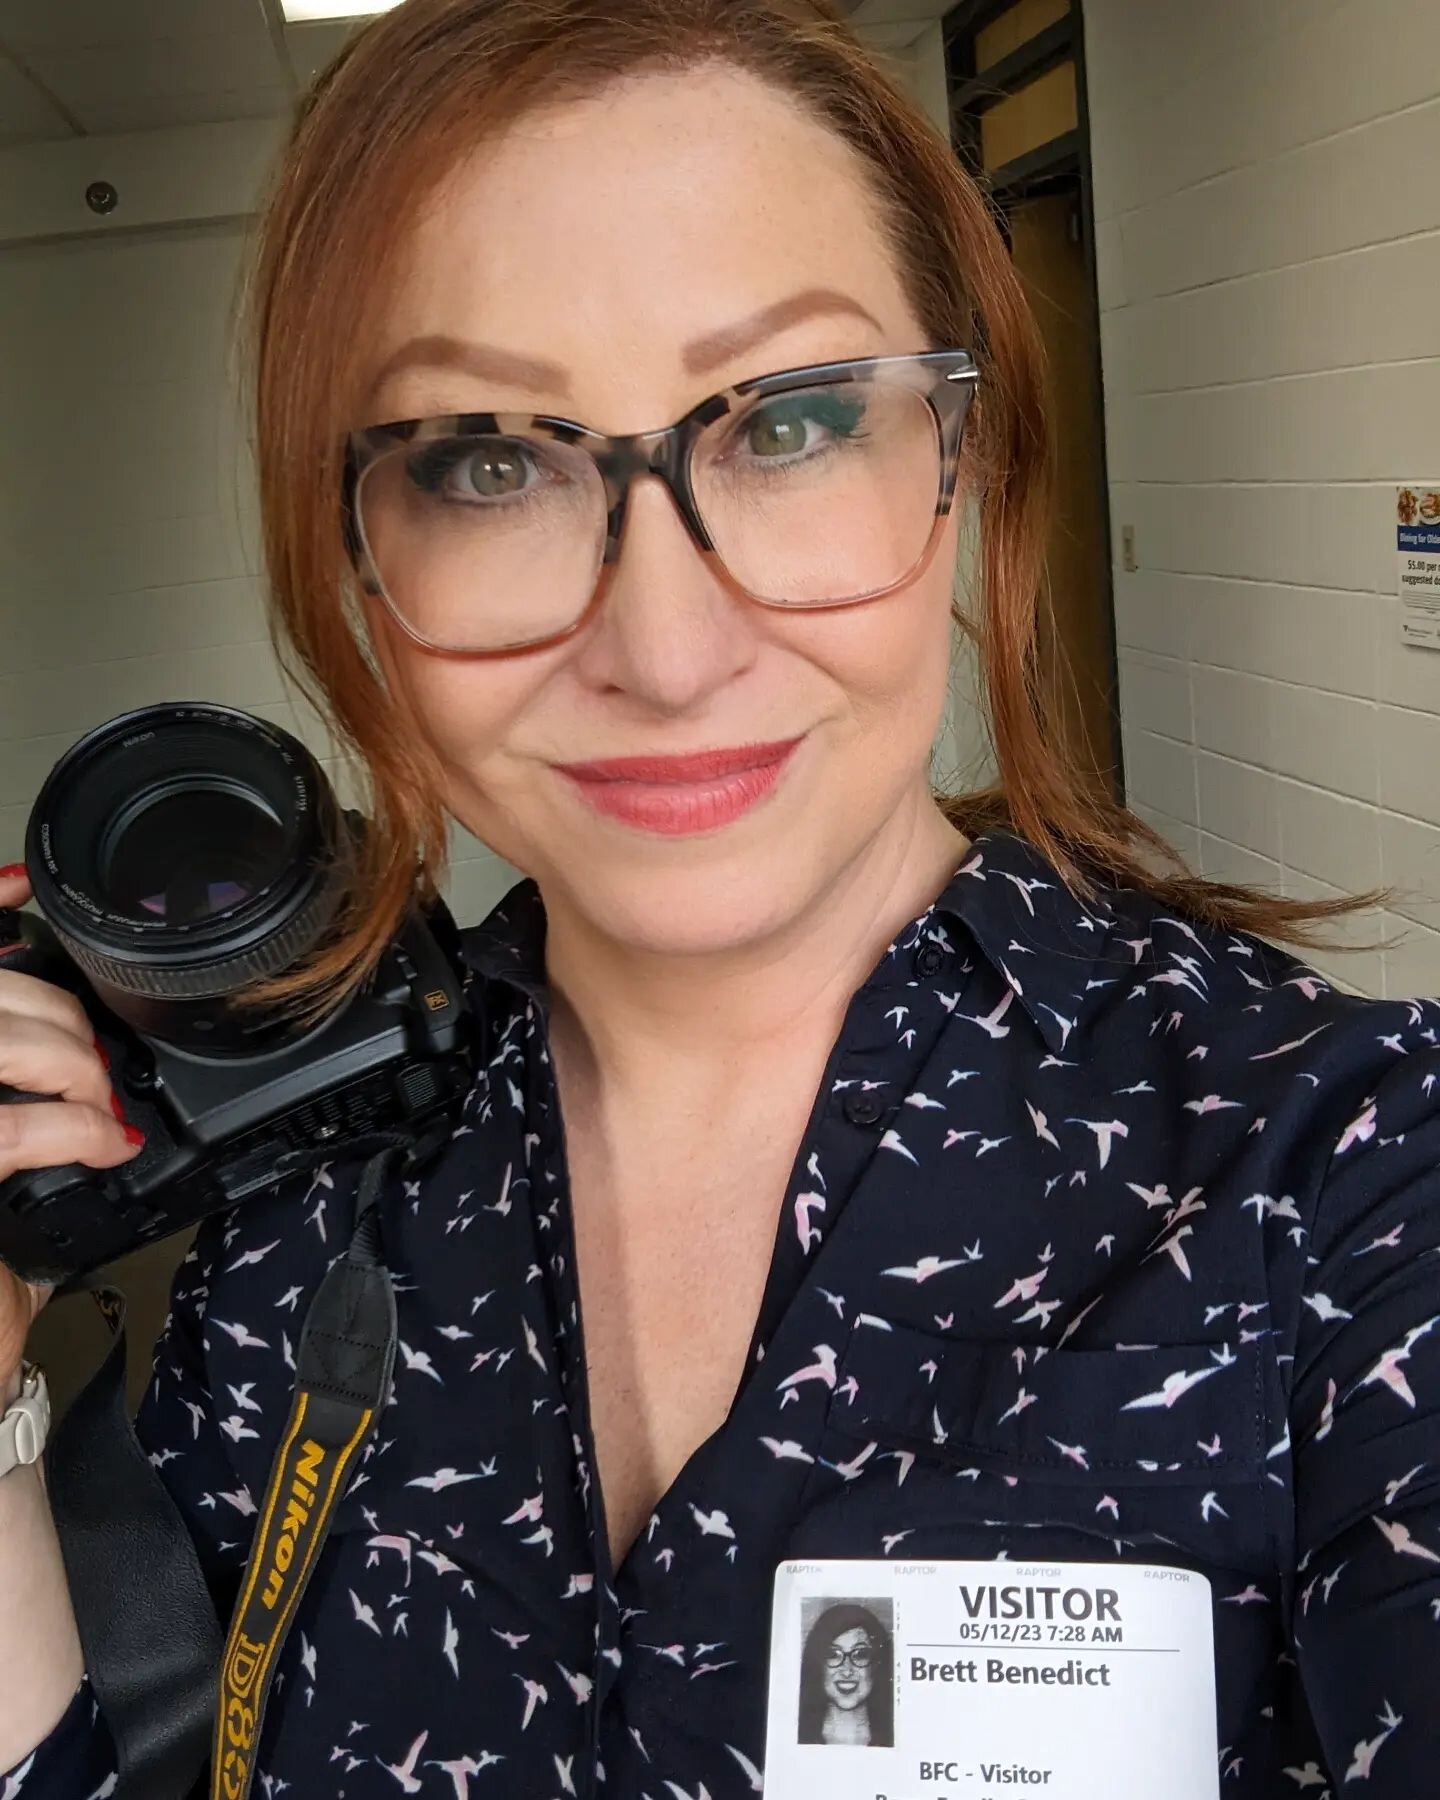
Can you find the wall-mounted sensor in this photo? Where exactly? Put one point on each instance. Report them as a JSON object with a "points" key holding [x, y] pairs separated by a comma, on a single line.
{"points": [[101, 197]]}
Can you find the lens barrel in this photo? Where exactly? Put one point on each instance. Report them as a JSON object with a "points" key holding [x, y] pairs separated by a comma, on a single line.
{"points": [[181, 852]]}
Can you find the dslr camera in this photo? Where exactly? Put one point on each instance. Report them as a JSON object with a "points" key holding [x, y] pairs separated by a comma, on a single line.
{"points": [[178, 853]]}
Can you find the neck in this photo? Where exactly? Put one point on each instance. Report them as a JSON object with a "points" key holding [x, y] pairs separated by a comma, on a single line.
{"points": [[846, 1725], [633, 1015]]}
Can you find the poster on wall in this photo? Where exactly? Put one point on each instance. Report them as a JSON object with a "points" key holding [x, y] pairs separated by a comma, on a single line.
{"points": [[1417, 539]]}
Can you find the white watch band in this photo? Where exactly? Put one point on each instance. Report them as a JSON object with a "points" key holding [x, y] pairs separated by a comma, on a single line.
{"points": [[26, 1424]]}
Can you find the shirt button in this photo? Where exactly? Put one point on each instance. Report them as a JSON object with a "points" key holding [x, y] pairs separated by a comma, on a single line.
{"points": [[930, 959], [864, 1109]]}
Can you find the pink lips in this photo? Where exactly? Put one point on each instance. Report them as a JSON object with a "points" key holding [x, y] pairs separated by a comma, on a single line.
{"points": [[678, 795]]}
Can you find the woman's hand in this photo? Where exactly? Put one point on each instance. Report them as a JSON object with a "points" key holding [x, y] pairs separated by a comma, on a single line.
{"points": [[47, 1046]]}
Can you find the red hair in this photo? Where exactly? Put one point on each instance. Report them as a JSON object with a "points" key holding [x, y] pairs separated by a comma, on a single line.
{"points": [[409, 95]]}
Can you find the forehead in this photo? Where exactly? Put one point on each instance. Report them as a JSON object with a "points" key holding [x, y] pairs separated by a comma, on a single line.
{"points": [[606, 234], [855, 1636]]}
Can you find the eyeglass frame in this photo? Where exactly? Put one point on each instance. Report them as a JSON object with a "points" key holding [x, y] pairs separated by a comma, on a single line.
{"points": [[665, 452], [848, 1656]]}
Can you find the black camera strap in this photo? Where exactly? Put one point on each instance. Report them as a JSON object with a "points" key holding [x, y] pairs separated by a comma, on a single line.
{"points": [[342, 1378], [147, 1619]]}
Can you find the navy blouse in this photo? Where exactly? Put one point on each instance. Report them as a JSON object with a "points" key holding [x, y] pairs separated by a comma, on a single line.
{"points": [[1112, 1235]]}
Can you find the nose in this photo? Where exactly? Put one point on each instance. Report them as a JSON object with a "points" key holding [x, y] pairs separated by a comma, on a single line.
{"points": [[670, 634]]}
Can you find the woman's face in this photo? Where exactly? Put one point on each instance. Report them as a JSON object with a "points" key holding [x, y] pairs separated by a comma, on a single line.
{"points": [[846, 1685], [604, 238]]}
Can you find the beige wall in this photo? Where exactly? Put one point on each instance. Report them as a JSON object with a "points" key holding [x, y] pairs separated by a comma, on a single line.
{"points": [[1269, 260]]}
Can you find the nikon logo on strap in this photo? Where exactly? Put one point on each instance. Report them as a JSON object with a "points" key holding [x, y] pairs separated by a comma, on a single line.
{"points": [[343, 1368]]}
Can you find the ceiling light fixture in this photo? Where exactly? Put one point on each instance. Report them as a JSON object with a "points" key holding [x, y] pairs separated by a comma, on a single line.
{"points": [[306, 12]]}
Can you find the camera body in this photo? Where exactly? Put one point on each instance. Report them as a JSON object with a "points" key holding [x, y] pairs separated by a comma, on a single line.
{"points": [[217, 1131], [227, 1108]]}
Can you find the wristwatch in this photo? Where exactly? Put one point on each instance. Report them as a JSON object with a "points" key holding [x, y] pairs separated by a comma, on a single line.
{"points": [[26, 1424]]}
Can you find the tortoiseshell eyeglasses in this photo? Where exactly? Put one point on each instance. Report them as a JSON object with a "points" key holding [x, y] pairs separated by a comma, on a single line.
{"points": [[489, 533]]}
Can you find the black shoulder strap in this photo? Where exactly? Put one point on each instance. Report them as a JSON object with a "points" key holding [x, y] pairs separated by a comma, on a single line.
{"points": [[152, 1642], [147, 1623]]}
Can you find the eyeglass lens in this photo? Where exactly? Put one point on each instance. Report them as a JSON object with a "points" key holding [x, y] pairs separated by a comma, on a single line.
{"points": [[813, 496], [836, 1658]]}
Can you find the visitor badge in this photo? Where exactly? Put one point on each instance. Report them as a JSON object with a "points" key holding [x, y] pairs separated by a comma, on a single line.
{"points": [[989, 1681]]}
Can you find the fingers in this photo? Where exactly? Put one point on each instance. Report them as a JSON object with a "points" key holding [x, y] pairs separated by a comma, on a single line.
{"points": [[27, 996], [46, 1134], [44, 1056], [14, 885]]}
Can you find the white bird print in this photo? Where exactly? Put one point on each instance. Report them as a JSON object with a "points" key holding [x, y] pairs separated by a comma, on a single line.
{"points": [[1108, 1503], [1398, 1535], [1393, 1488], [822, 1369], [925, 1268], [747, 1769], [563, 1766], [1175, 1250], [252, 1256], [241, 1396], [532, 1345], [15, 1780], [923, 1102], [1324, 1308], [1076, 1453], [1248, 1596], [805, 1204], [1210, 1507], [1038, 1309], [420, 1361], [1366, 1750], [1025, 1287], [235, 1428], [463, 1768], [990, 1022], [1173, 1388], [242, 1336], [542, 1535], [1360, 1129], [1106, 1132], [451, 1645], [713, 1524], [787, 1450], [1042, 1129], [404, 1772], [364, 1615], [1308, 1776], [444, 1478], [893, 1141], [1388, 1372], [580, 1686], [536, 1694], [1022, 1400], [1211, 1103], [889, 1541], [402, 1546], [1389, 1241], [1156, 1196]]}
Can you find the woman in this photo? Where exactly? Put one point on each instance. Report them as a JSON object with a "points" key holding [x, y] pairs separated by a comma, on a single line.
{"points": [[877, 1132], [846, 1681]]}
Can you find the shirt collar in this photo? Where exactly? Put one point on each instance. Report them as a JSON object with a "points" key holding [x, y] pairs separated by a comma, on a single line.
{"points": [[1005, 895], [1043, 941]]}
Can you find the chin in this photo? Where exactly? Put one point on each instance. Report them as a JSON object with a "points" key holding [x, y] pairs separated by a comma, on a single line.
{"points": [[700, 904]]}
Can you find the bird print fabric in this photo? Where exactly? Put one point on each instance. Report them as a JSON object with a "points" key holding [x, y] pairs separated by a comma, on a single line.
{"points": [[1112, 1236]]}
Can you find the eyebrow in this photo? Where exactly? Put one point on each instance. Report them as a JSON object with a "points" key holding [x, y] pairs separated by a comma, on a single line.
{"points": [[703, 354]]}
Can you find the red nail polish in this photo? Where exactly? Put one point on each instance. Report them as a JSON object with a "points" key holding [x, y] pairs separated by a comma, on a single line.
{"points": [[133, 1135], [13, 869]]}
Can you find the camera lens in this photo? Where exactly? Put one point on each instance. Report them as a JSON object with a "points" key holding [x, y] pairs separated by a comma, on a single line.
{"points": [[213, 846], [181, 852]]}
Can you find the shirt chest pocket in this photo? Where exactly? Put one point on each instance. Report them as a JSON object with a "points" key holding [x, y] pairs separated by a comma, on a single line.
{"points": [[941, 1447]]}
